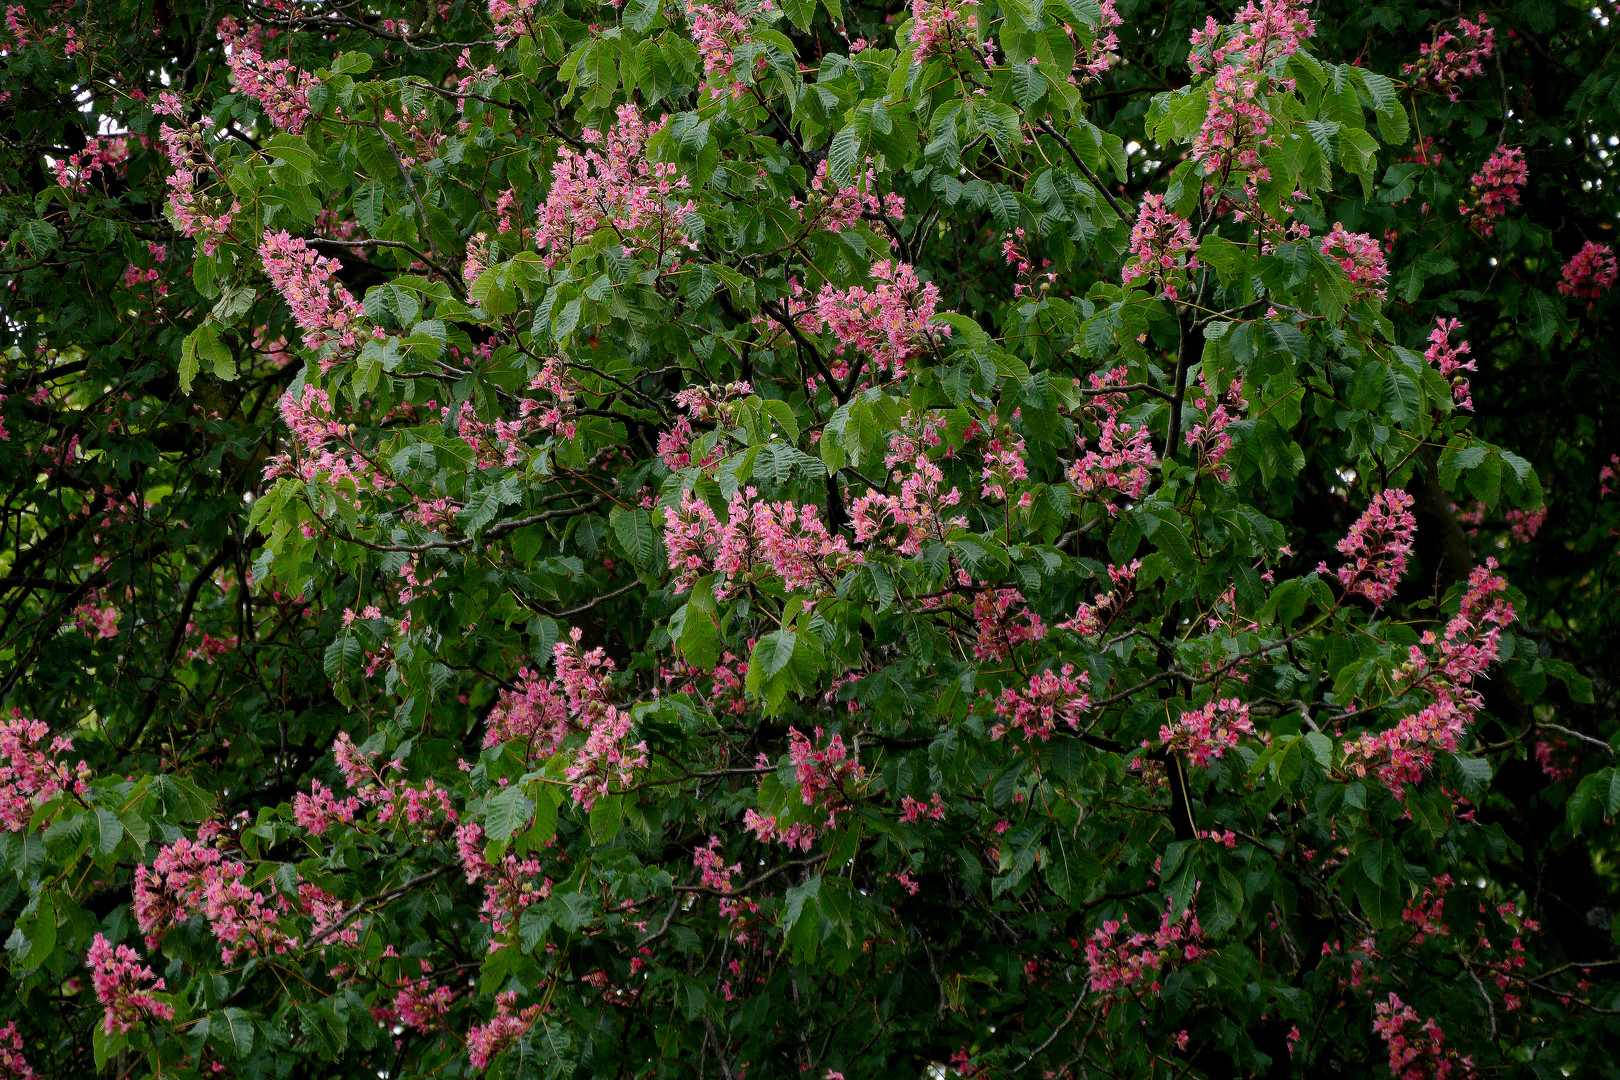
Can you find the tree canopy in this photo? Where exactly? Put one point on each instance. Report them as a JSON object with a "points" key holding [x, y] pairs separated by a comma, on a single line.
{"points": [[1005, 538]]}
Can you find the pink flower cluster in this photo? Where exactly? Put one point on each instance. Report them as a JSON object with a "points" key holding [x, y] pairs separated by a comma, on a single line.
{"points": [[280, 87], [325, 310], [1121, 465], [13, 1066], [1449, 59], [716, 874], [1378, 544], [1496, 187], [920, 511], [1160, 240], [717, 30], [837, 210], [1035, 709], [1446, 356], [1124, 961], [511, 19], [1102, 51], [486, 1041], [1211, 439], [1207, 733], [195, 213], [781, 540], [888, 323], [189, 878], [943, 27], [1091, 619], [319, 810], [914, 810], [999, 628], [612, 185], [826, 776], [118, 977], [1237, 125], [1421, 1054], [1591, 272], [31, 776], [1403, 754], [1360, 257], [510, 886]]}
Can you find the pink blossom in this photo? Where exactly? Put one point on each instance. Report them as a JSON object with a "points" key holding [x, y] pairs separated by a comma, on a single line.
{"points": [[31, 775], [1119, 960], [943, 27], [1361, 259], [1211, 439], [280, 87], [1035, 709], [888, 323], [716, 874], [1160, 240], [612, 185], [13, 1066], [1207, 733], [325, 310], [1121, 465], [118, 976], [1378, 545], [1445, 666], [999, 628], [319, 810], [1449, 60], [510, 886], [1446, 356], [1496, 186], [1420, 1054], [1237, 125], [1591, 272], [486, 1041]]}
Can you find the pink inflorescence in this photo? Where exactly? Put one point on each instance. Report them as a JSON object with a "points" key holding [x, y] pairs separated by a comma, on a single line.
{"points": [[1360, 257], [943, 27], [1378, 546], [1420, 1054], [1237, 125], [717, 30], [889, 323], [1590, 273], [1450, 59], [1122, 462], [31, 775], [1119, 960], [612, 185], [1496, 187], [1160, 240], [759, 541], [1036, 708], [1207, 733], [486, 1041], [280, 87], [13, 1066], [324, 309], [1445, 666], [125, 986], [1448, 358]]}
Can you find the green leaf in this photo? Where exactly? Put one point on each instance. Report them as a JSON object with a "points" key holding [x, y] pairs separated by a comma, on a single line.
{"points": [[294, 152], [232, 1028], [774, 651], [508, 812], [634, 529], [106, 830]]}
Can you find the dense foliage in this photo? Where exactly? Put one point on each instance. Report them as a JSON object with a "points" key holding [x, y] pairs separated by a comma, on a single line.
{"points": [[1005, 538]]}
